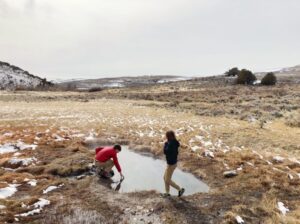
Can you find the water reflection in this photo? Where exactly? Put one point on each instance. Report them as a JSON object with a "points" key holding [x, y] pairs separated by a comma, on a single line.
{"points": [[146, 173]]}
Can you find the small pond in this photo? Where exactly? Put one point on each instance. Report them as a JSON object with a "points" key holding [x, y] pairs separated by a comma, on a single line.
{"points": [[143, 172]]}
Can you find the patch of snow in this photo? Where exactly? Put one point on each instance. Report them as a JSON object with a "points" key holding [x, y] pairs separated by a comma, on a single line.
{"points": [[2, 206], [260, 156], [240, 168], [8, 134], [199, 137], [24, 206], [57, 138], [282, 208], [38, 208], [114, 84], [166, 80], [268, 162], [250, 164], [195, 148], [151, 134], [32, 183], [208, 153], [239, 219], [278, 159], [52, 188], [8, 191], [17, 154], [257, 82], [7, 148], [22, 146], [290, 176], [91, 137], [207, 143], [294, 160], [78, 135], [22, 161]]}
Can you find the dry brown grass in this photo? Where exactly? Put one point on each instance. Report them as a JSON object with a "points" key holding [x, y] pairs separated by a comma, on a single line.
{"points": [[72, 165], [252, 194], [293, 119]]}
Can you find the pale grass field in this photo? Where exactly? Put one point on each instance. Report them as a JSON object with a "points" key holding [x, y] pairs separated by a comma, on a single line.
{"points": [[234, 143]]}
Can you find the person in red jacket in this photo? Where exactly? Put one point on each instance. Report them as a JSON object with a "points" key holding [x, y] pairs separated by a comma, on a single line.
{"points": [[106, 158]]}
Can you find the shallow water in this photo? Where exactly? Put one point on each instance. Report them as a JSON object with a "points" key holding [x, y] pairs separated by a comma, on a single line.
{"points": [[146, 173]]}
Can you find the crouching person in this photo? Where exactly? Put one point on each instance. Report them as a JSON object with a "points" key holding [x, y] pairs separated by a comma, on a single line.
{"points": [[106, 158]]}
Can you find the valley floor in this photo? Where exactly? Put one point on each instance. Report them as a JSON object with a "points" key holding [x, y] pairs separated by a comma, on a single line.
{"points": [[45, 141]]}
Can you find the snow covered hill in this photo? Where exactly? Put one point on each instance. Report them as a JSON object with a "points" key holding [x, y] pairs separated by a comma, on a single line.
{"points": [[12, 78]]}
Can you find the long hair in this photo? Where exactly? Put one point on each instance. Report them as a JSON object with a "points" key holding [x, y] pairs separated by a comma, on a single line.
{"points": [[170, 135]]}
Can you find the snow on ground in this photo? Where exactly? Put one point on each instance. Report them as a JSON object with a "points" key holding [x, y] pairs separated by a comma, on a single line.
{"points": [[52, 188], [90, 137], [2, 206], [208, 153], [38, 207], [282, 208], [278, 159], [8, 134], [8, 191], [239, 219], [32, 182], [22, 161], [7, 148], [22, 146]]}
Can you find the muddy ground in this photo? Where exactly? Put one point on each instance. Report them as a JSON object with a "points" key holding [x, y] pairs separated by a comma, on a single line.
{"points": [[53, 131]]}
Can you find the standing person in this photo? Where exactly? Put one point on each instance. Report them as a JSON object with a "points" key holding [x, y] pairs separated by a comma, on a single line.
{"points": [[171, 152], [106, 158]]}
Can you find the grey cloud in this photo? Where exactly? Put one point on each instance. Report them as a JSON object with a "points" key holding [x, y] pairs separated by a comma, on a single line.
{"points": [[135, 37]]}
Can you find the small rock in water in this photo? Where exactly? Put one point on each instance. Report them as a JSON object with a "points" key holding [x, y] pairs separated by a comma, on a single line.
{"points": [[230, 173]]}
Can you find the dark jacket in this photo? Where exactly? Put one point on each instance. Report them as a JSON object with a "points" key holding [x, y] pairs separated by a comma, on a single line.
{"points": [[171, 151]]}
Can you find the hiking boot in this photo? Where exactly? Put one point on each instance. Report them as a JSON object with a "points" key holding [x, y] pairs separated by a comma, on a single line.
{"points": [[181, 192], [165, 195]]}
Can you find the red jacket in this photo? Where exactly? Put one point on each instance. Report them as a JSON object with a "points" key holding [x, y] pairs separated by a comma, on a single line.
{"points": [[105, 153]]}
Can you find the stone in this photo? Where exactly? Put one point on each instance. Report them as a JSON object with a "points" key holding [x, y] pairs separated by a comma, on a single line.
{"points": [[230, 173]]}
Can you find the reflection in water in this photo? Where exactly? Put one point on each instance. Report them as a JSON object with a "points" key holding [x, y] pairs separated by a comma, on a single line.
{"points": [[145, 173]]}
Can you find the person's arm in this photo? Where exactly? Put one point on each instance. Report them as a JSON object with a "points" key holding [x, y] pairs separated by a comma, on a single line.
{"points": [[166, 148], [116, 162]]}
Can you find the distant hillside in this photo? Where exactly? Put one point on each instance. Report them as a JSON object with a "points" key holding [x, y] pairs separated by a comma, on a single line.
{"points": [[118, 82], [285, 75], [13, 78]]}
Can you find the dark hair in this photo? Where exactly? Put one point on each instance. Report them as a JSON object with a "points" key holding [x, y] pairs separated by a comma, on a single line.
{"points": [[117, 147], [170, 135]]}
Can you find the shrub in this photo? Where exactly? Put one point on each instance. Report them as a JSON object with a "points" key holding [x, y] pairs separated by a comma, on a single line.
{"points": [[293, 119], [269, 79], [95, 89], [245, 77], [232, 72]]}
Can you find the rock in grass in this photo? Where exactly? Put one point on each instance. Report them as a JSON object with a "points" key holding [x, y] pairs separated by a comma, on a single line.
{"points": [[230, 173]]}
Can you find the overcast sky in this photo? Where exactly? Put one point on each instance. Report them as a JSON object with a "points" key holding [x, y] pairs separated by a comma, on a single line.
{"points": [[101, 38]]}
